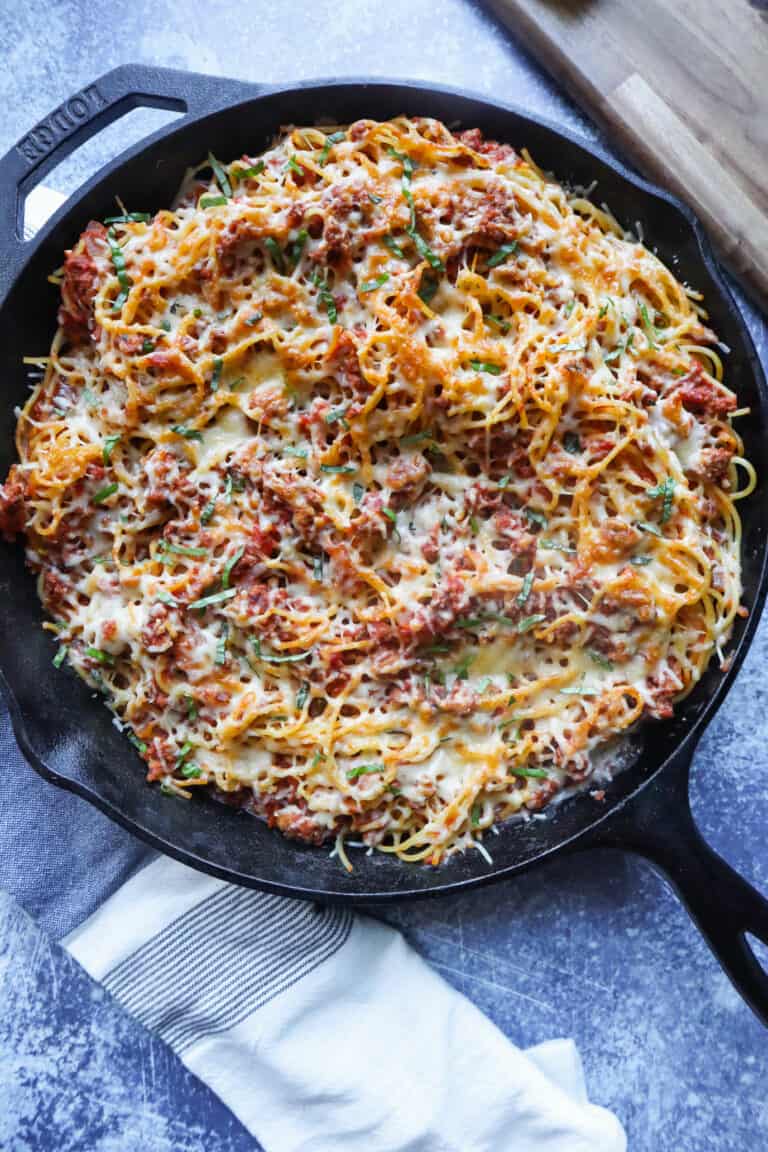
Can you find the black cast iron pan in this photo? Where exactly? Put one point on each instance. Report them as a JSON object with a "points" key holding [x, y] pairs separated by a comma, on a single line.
{"points": [[69, 738]]}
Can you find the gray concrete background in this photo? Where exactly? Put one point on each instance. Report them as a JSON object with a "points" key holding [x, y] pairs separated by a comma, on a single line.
{"points": [[596, 946]]}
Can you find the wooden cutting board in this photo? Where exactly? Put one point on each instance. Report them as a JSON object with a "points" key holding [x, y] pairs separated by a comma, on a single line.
{"points": [[683, 88]]}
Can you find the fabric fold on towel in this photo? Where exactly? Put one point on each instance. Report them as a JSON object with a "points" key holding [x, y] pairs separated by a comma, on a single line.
{"points": [[323, 1030]]}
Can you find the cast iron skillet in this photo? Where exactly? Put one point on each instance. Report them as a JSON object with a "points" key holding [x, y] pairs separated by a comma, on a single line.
{"points": [[69, 738]]}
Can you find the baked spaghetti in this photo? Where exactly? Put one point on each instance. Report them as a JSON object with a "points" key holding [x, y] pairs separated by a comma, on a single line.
{"points": [[379, 483]]}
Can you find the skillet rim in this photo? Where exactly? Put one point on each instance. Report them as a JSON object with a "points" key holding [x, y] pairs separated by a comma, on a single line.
{"points": [[684, 744]]}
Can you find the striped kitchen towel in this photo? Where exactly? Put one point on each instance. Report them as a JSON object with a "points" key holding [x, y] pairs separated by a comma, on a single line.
{"points": [[323, 1030]]}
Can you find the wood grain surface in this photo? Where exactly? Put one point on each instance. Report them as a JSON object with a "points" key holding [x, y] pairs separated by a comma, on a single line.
{"points": [[683, 88]]}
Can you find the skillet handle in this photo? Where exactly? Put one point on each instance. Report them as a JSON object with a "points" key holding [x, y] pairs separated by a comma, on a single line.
{"points": [[86, 113], [724, 906]]}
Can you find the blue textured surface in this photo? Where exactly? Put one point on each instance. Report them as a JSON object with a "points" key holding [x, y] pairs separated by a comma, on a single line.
{"points": [[594, 946]]}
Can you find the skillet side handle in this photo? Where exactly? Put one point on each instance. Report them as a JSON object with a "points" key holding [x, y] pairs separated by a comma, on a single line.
{"points": [[724, 906], [83, 115]]}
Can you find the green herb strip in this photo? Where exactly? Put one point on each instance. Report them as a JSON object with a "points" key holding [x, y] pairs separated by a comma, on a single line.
{"points": [[208, 511], [60, 656], [364, 770], [104, 493], [372, 285], [571, 443], [339, 469], [529, 622], [503, 253], [221, 646], [525, 591], [248, 173], [130, 218], [118, 263], [216, 598], [221, 177], [534, 517], [108, 446], [665, 489], [650, 331], [536, 773], [334, 138], [486, 366], [212, 201], [187, 433], [276, 254], [325, 296], [230, 564], [218, 365], [100, 656], [303, 694], [394, 247]]}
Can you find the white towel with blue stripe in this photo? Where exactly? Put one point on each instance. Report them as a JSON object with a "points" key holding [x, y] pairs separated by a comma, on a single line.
{"points": [[324, 1031]]}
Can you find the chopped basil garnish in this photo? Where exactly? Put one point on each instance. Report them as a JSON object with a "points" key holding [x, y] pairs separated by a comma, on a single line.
{"points": [[104, 493], [118, 263], [364, 770], [212, 201], [337, 414], [294, 166], [60, 656], [425, 251], [525, 591], [216, 598], [529, 622], [248, 173], [640, 561], [666, 489], [291, 450], [394, 247], [191, 708], [648, 327], [181, 549], [183, 752], [269, 658], [503, 253], [536, 773], [190, 771], [302, 694], [428, 288], [99, 655], [139, 745], [147, 347], [187, 433], [534, 517], [654, 531], [334, 138], [600, 660], [230, 564], [325, 296], [297, 247], [475, 814], [339, 469], [109, 444], [276, 253], [499, 322], [208, 511], [486, 366], [372, 285], [221, 177], [130, 218], [358, 491], [218, 365], [221, 644]]}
